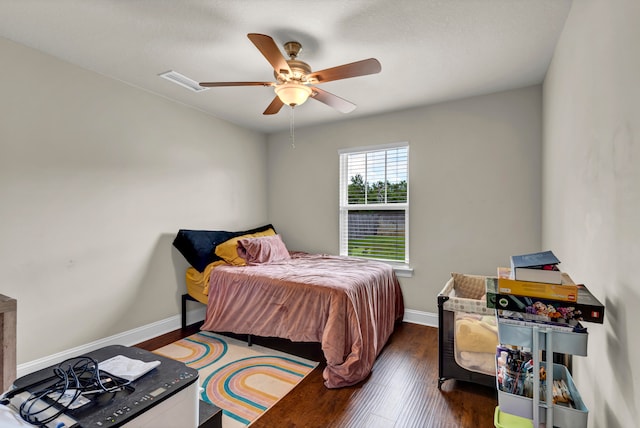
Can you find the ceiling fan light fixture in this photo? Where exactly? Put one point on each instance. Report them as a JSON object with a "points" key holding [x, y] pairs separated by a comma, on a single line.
{"points": [[293, 94]]}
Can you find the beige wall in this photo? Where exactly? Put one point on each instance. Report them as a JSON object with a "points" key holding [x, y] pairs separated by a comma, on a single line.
{"points": [[475, 174], [96, 177], [592, 192]]}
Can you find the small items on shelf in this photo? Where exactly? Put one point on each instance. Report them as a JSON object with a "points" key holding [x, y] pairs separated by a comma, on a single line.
{"points": [[562, 394]]}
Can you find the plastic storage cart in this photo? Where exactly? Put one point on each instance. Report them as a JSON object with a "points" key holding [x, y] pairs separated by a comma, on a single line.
{"points": [[506, 420], [541, 338]]}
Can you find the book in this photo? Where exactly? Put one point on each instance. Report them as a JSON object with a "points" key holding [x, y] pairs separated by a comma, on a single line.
{"points": [[532, 275], [586, 307], [534, 260], [536, 267], [551, 276]]}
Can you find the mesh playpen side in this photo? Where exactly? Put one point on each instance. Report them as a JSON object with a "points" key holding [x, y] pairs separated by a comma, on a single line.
{"points": [[461, 301]]}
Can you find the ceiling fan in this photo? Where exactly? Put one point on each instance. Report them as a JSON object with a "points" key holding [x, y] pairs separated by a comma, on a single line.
{"points": [[295, 80]]}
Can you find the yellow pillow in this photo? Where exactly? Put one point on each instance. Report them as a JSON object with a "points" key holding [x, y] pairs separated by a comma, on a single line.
{"points": [[198, 282], [228, 250], [268, 232]]}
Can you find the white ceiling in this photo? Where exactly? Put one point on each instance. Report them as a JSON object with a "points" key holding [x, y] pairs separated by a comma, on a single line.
{"points": [[430, 50]]}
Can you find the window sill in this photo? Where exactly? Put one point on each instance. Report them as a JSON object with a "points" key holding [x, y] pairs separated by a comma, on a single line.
{"points": [[404, 271], [401, 269]]}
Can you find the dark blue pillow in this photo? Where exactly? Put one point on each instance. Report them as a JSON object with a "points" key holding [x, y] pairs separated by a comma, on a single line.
{"points": [[199, 246]]}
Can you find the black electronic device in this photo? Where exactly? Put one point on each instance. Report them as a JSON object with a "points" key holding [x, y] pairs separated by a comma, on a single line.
{"points": [[120, 405]]}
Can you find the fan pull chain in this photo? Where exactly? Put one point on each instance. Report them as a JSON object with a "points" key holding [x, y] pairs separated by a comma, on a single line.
{"points": [[292, 136]]}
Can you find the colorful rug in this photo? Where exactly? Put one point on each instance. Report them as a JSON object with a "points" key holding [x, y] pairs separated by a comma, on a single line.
{"points": [[244, 381]]}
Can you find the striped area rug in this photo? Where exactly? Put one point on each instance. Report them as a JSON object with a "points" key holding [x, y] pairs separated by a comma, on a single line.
{"points": [[244, 381]]}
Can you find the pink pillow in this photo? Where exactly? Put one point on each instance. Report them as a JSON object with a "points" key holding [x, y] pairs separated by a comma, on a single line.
{"points": [[265, 249]]}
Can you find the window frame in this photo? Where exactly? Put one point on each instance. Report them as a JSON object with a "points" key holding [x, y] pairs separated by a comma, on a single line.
{"points": [[401, 267]]}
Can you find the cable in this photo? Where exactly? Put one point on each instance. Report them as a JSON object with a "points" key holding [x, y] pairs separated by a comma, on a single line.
{"points": [[75, 377]]}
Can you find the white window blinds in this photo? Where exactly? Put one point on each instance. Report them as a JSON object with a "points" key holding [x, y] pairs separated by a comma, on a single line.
{"points": [[374, 203]]}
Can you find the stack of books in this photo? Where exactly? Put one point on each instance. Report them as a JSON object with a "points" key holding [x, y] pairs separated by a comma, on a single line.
{"points": [[534, 289]]}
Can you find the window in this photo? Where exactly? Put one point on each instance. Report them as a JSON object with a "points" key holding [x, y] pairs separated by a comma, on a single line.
{"points": [[374, 203]]}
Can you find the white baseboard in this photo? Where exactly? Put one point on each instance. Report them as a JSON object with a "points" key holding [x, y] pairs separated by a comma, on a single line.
{"points": [[149, 331], [127, 338], [419, 317]]}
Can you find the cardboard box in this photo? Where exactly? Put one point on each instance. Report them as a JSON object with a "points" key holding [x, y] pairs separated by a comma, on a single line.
{"points": [[585, 308], [567, 291]]}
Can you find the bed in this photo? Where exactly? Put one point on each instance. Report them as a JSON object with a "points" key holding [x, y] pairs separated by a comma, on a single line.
{"points": [[348, 305], [467, 332]]}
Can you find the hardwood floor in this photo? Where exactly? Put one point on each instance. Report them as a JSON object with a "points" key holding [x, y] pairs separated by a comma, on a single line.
{"points": [[402, 390]]}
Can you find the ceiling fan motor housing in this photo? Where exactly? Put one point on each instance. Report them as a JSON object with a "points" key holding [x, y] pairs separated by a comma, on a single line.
{"points": [[299, 71]]}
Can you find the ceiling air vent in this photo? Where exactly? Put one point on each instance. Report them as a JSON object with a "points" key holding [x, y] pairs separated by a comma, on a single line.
{"points": [[184, 81]]}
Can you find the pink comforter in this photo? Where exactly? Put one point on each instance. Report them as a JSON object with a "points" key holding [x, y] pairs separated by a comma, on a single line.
{"points": [[347, 304]]}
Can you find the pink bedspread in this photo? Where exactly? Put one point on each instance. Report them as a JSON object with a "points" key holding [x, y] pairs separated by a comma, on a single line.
{"points": [[348, 305]]}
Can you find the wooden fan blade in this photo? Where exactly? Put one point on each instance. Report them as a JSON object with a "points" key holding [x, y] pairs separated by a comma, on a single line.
{"points": [[269, 49], [274, 107], [354, 69], [217, 84], [340, 104]]}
